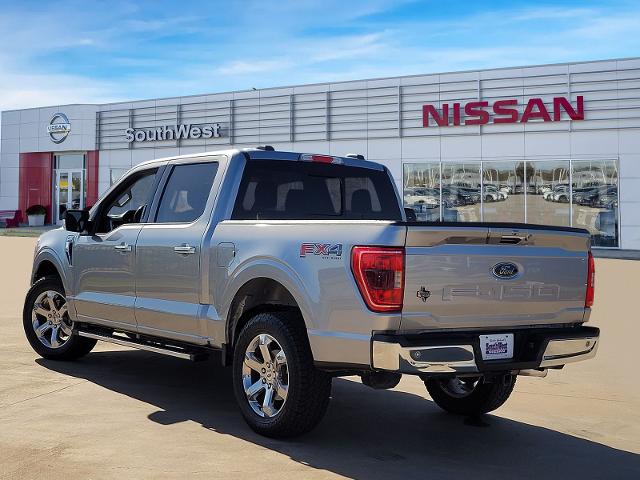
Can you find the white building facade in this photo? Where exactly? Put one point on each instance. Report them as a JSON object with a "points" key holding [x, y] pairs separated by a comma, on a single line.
{"points": [[553, 144]]}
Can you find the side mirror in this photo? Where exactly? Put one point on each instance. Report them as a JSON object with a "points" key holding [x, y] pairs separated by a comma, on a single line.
{"points": [[76, 220]]}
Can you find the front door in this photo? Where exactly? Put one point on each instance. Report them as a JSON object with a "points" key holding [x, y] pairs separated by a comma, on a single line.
{"points": [[169, 272], [103, 264], [104, 283], [69, 192]]}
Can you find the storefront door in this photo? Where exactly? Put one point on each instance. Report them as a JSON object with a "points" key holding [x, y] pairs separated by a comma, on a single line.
{"points": [[69, 192]]}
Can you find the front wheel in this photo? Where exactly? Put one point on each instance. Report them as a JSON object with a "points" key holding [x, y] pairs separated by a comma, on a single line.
{"points": [[279, 390], [47, 324], [470, 395]]}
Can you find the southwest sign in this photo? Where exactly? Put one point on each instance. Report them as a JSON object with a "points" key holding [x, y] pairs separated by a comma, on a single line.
{"points": [[504, 111], [173, 132]]}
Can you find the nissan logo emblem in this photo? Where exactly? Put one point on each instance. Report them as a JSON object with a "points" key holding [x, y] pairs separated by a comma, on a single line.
{"points": [[505, 270], [59, 128]]}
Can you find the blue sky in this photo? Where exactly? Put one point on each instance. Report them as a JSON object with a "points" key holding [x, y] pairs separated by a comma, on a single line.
{"points": [[75, 52]]}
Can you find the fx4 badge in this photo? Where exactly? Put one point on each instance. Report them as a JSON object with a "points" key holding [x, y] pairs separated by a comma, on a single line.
{"points": [[423, 294], [325, 250]]}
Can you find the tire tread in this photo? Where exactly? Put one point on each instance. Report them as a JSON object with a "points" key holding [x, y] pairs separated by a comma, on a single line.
{"points": [[76, 346], [484, 399], [307, 402]]}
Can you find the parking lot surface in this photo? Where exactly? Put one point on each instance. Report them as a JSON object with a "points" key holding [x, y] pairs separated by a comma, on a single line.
{"points": [[121, 413]]}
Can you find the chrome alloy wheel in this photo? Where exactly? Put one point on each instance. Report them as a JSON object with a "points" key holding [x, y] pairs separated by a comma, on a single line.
{"points": [[265, 375], [50, 319], [460, 387]]}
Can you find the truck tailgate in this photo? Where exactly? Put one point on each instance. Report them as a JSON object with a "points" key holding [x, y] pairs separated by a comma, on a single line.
{"points": [[493, 276]]}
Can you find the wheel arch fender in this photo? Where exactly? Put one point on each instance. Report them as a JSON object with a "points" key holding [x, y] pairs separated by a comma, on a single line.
{"points": [[47, 262], [269, 270]]}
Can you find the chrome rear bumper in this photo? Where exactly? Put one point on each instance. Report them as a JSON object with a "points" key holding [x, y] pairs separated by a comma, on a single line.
{"points": [[460, 352], [435, 359], [561, 352]]}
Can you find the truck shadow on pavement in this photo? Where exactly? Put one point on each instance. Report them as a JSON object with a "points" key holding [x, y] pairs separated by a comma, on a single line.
{"points": [[366, 433]]}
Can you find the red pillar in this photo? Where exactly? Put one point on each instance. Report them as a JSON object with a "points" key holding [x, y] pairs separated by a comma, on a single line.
{"points": [[92, 177], [35, 182]]}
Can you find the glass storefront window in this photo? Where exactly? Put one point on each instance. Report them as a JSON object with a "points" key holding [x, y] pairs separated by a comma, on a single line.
{"points": [[548, 192], [595, 199], [577, 193], [422, 190], [502, 190], [70, 161], [461, 192]]}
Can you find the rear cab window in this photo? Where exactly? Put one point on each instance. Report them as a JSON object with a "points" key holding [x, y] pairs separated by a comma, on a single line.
{"points": [[296, 190]]}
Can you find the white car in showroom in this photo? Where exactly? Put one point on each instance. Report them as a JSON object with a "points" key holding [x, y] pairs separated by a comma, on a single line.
{"points": [[492, 194], [426, 197], [549, 192]]}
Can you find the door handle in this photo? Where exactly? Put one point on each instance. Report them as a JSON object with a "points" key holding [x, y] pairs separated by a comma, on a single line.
{"points": [[123, 247], [184, 249]]}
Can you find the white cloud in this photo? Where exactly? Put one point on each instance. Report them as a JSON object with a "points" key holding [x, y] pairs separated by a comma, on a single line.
{"points": [[342, 48], [240, 67], [551, 13], [27, 90]]}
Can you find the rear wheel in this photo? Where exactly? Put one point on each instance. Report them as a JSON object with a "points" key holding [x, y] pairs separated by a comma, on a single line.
{"points": [[470, 395], [47, 324], [279, 390]]}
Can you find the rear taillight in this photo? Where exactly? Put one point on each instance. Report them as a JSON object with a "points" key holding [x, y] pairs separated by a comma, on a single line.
{"points": [[591, 282], [379, 273]]}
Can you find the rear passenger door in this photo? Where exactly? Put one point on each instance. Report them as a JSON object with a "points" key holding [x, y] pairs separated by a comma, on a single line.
{"points": [[169, 253]]}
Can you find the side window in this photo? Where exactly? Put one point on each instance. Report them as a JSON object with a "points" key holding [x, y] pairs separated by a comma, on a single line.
{"points": [[133, 197], [127, 204], [186, 192]]}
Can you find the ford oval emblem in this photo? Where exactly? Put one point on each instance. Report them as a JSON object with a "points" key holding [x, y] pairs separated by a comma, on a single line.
{"points": [[505, 270]]}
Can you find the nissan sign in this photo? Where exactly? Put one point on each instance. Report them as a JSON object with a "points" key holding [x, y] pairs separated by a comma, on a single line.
{"points": [[173, 132], [59, 128], [504, 111]]}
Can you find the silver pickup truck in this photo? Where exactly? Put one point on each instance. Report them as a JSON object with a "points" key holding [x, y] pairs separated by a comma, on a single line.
{"points": [[296, 268]]}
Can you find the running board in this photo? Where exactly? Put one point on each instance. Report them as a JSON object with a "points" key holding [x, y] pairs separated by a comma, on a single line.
{"points": [[163, 350]]}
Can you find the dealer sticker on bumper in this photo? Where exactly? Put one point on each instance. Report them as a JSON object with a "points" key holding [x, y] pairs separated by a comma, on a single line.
{"points": [[496, 346]]}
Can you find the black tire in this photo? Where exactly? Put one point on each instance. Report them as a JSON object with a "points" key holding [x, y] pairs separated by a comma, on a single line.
{"points": [[485, 397], [74, 347], [309, 389]]}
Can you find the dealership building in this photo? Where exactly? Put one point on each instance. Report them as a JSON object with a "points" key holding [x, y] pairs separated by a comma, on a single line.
{"points": [[550, 144]]}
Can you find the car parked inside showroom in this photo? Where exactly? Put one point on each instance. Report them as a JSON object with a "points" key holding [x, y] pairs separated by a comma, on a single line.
{"points": [[422, 196], [492, 194]]}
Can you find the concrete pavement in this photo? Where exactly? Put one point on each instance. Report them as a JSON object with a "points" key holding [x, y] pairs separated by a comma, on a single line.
{"points": [[120, 413]]}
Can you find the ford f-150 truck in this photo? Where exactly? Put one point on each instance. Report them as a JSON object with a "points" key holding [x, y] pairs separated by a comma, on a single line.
{"points": [[297, 268]]}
